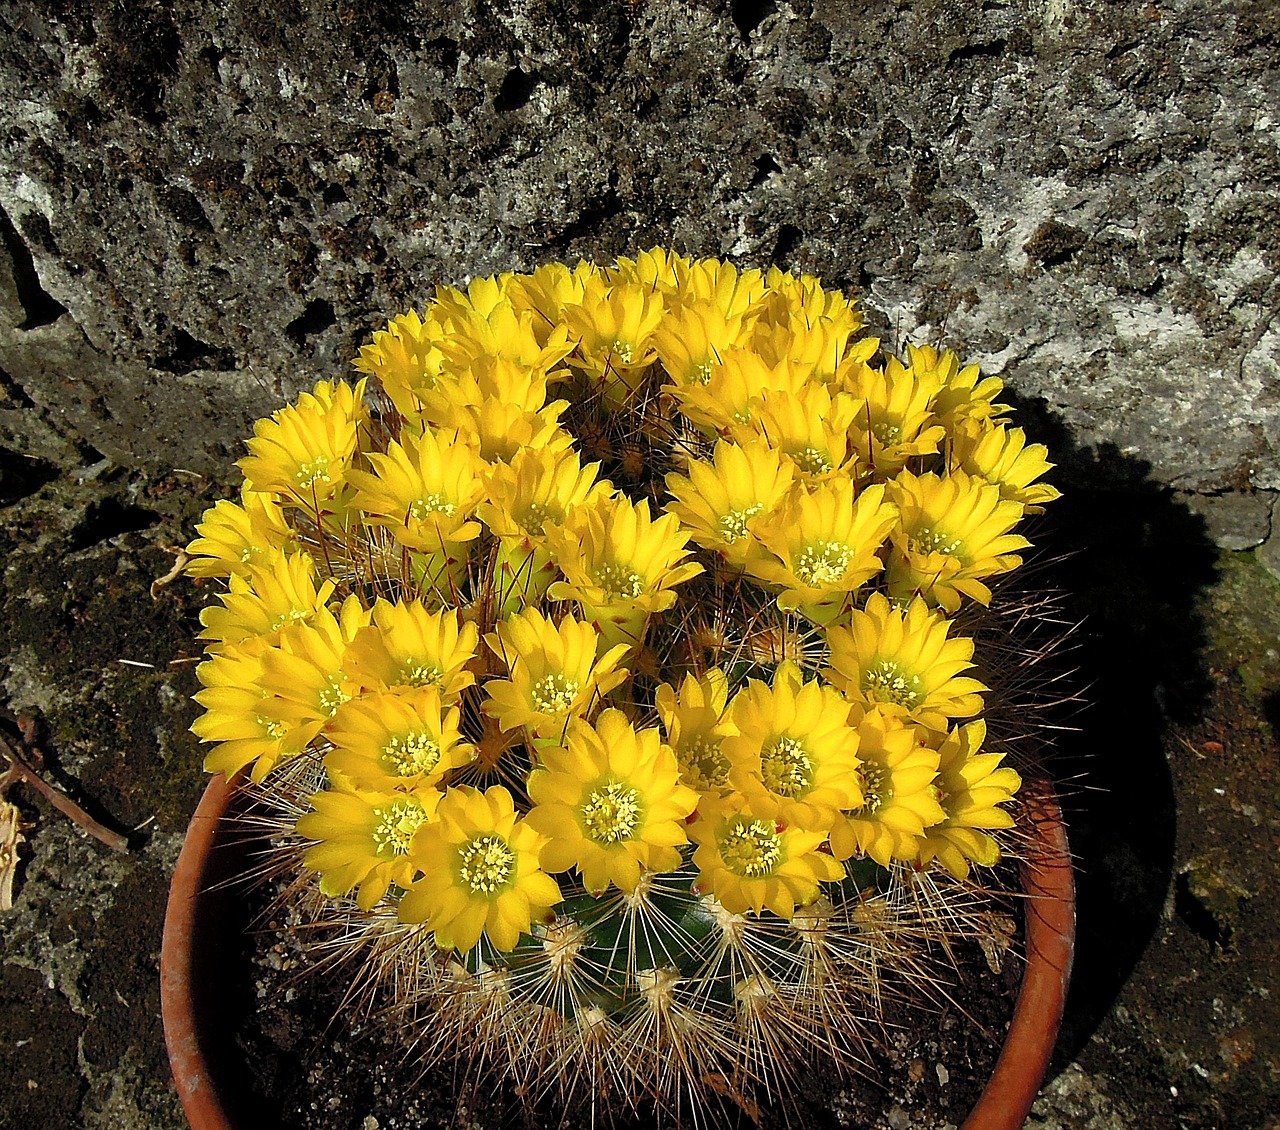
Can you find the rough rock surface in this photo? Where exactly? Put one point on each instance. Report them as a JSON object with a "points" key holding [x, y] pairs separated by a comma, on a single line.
{"points": [[205, 207]]}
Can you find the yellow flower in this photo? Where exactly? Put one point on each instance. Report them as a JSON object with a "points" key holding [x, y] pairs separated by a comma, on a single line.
{"points": [[720, 502], [614, 326], [402, 739], [279, 589], [697, 722], [243, 716], [810, 426], [555, 673], [408, 646], [734, 390], [898, 796], [610, 803], [619, 565], [303, 451], [748, 861], [235, 537], [795, 746], [480, 872], [1002, 456], [487, 327], [894, 420], [953, 531], [821, 546], [423, 490], [970, 786], [547, 291], [538, 488], [363, 839], [805, 324], [657, 269], [958, 394], [405, 359], [903, 662]]}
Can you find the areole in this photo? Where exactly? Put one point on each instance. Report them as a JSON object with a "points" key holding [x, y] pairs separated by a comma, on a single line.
{"points": [[193, 929]]}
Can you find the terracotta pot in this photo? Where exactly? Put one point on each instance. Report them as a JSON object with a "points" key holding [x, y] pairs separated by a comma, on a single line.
{"points": [[201, 912]]}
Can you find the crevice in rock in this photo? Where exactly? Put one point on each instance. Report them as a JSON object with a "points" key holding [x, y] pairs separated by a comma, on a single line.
{"points": [[22, 475], [747, 15], [40, 307], [789, 237], [990, 50], [110, 518], [315, 319], [516, 90], [765, 166], [185, 354]]}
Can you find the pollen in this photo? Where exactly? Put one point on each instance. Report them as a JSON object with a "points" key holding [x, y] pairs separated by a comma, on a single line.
{"points": [[786, 768], [554, 694], [396, 824], [272, 727], [751, 848], [733, 525], [876, 788], [412, 753], [623, 351], [333, 696], [813, 459], [704, 764], [421, 674], [885, 681], [611, 813], [822, 563], [619, 581], [929, 540], [422, 508], [485, 864], [309, 474]]}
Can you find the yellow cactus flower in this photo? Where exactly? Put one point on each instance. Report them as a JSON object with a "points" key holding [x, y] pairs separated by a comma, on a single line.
{"points": [[697, 723], [894, 420], [747, 860], [303, 452], [958, 393], [970, 786], [405, 359], [548, 291], [795, 745], [363, 839], [424, 490], [610, 802], [810, 426], [805, 324], [953, 531], [234, 537], [403, 739], [903, 662], [620, 565], [480, 872], [899, 801], [1002, 456], [489, 329], [720, 501], [821, 546], [242, 715], [555, 672], [409, 646], [614, 326], [657, 269], [279, 589], [734, 390]]}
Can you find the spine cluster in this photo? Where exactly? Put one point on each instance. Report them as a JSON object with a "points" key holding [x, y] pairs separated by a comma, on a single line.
{"points": [[598, 652]]}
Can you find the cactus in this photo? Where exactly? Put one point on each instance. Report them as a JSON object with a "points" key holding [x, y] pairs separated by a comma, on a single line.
{"points": [[625, 741]]}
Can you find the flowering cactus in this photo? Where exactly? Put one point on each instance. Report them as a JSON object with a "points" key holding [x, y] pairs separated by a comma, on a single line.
{"points": [[628, 735]]}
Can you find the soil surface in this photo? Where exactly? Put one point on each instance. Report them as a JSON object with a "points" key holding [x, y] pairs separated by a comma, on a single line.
{"points": [[1173, 805]]}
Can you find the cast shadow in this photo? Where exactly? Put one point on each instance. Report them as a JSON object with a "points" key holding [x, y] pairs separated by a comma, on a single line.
{"points": [[1131, 561]]}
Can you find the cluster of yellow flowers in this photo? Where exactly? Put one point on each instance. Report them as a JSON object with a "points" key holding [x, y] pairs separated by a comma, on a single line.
{"points": [[525, 686]]}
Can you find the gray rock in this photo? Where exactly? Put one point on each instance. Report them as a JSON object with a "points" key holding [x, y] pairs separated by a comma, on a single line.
{"points": [[1234, 520]]}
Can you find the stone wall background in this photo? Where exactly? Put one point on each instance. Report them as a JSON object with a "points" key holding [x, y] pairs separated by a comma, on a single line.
{"points": [[207, 207]]}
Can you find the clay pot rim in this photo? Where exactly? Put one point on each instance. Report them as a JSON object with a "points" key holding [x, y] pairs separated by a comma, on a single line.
{"points": [[1049, 918]]}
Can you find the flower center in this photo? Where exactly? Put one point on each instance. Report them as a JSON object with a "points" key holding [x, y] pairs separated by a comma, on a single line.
{"points": [[292, 616], [422, 508], [332, 695], [537, 514], [885, 681], [822, 563], [273, 728], [308, 474], [396, 824], [786, 768], [751, 848], [611, 813], [876, 788], [420, 674], [485, 864], [554, 694], [619, 581], [813, 459], [887, 432], [622, 351], [733, 525], [929, 540], [703, 764], [412, 753]]}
